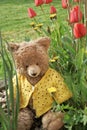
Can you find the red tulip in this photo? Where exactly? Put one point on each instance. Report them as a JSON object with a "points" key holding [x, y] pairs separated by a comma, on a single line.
{"points": [[31, 13], [53, 10], [38, 2], [64, 4], [47, 1], [76, 0], [79, 30], [75, 15]]}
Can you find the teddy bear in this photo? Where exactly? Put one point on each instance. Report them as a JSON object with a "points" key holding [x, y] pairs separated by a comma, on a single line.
{"points": [[39, 86]]}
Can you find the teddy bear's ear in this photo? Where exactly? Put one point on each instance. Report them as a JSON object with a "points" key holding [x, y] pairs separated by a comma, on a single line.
{"points": [[44, 41], [13, 47]]}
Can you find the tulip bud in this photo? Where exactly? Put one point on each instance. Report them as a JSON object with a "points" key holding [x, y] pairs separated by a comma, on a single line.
{"points": [[64, 4], [47, 1], [76, 0], [75, 15], [38, 2], [31, 13], [79, 30], [53, 10]]}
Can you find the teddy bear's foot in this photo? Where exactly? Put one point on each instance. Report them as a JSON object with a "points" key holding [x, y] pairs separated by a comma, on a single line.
{"points": [[52, 120], [25, 119]]}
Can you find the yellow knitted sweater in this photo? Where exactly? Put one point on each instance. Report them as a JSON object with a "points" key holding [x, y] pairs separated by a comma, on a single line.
{"points": [[51, 87]]}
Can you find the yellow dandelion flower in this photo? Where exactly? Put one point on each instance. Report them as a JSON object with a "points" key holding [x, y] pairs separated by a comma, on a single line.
{"points": [[51, 60], [53, 16], [51, 90], [39, 25], [32, 23], [54, 59], [36, 28]]}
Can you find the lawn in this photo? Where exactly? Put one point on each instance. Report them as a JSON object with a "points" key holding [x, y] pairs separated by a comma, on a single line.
{"points": [[14, 20]]}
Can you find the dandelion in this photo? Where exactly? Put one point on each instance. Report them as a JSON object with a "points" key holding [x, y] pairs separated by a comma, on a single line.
{"points": [[54, 59], [36, 28], [52, 90], [32, 24], [53, 16], [39, 25]]}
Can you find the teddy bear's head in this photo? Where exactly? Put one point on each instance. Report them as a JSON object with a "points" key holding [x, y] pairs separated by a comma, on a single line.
{"points": [[31, 58]]}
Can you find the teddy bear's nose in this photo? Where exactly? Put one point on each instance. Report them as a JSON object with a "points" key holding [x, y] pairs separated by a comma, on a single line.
{"points": [[33, 70], [34, 74]]}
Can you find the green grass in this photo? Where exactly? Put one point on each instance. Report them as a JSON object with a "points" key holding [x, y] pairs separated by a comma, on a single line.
{"points": [[14, 20]]}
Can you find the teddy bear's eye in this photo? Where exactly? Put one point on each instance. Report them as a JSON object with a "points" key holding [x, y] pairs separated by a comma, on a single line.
{"points": [[26, 66], [37, 64]]}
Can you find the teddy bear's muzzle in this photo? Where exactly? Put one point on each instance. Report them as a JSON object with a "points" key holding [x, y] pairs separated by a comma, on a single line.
{"points": [[33, 70]]}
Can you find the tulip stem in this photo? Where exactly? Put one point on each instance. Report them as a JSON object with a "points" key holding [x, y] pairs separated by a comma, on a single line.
{"points": [[42, 10], [85, 18], [44, 15], [68, 9], [35, 20], [85, 12]]}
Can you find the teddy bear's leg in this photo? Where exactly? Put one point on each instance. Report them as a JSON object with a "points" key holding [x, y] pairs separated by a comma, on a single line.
{"points": [[25, 119], [52, 120]]}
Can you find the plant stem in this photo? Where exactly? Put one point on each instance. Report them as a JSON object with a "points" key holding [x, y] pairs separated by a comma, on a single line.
{"points": [[35, 20], [85, 12], [85, 18], [42, 10]]}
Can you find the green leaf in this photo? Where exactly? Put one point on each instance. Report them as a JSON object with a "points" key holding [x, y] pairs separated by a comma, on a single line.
{"points": [[8, 63], [4, 119], [79, 58], [67, 44], [84, 119]]}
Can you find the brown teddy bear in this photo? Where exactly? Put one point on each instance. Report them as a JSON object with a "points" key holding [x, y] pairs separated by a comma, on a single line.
{"points": [[39, 86]]}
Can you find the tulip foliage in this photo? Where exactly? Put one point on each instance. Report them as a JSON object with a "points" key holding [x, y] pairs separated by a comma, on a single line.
{"points": [[68, 54]]}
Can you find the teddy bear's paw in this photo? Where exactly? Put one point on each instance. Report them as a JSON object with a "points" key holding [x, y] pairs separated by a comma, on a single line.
{"points": [[52, 121], [55, 125], [25, 119]]}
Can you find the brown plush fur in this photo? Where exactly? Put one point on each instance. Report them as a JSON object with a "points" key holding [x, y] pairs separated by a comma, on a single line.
{"points": [[52, 120], [33, 53], [25, 119], [32, 61]]}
